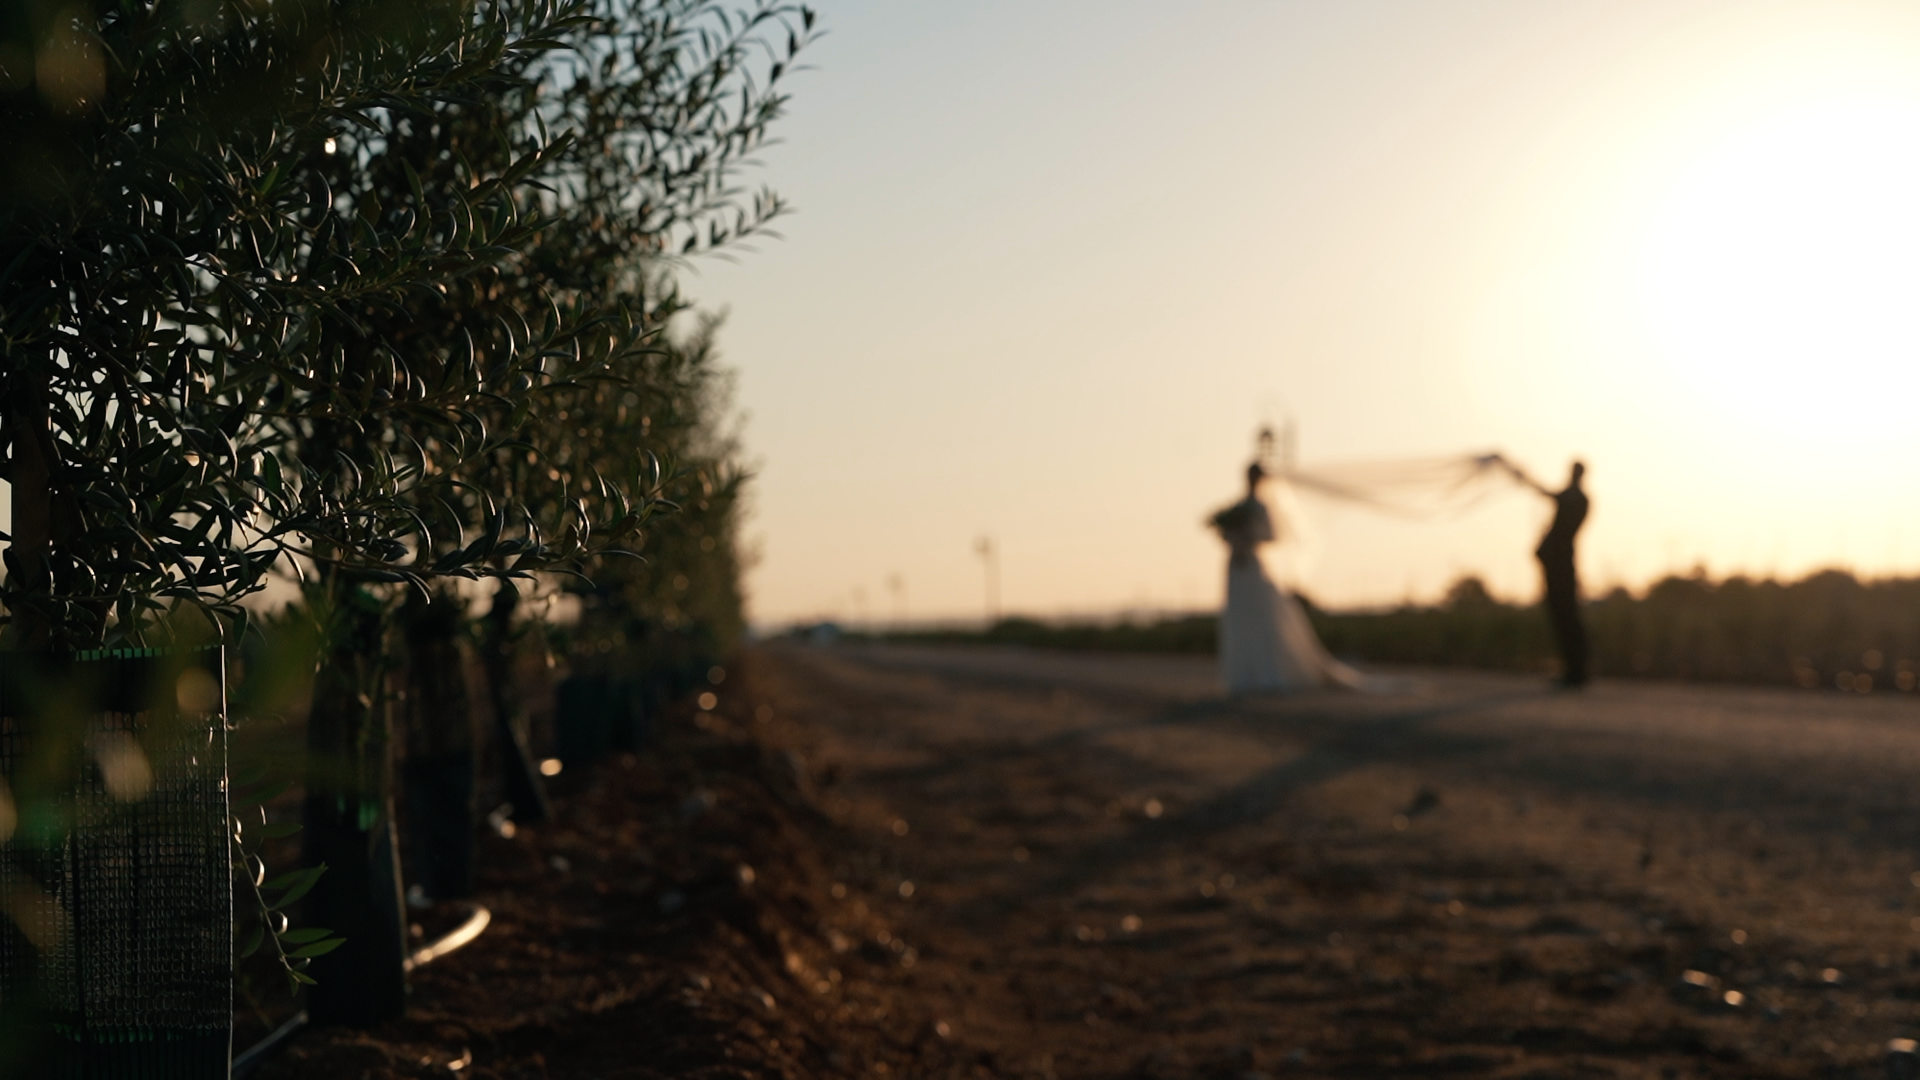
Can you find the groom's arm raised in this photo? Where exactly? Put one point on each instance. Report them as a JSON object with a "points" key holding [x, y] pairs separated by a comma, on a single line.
{"points": [[1517, 473]]}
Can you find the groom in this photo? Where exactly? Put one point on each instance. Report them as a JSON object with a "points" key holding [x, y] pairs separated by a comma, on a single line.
{"points": [[1556, 565], [1563, 584]]}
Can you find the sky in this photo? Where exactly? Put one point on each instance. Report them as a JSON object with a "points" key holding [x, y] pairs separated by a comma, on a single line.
{"points": [[1052, 264]]}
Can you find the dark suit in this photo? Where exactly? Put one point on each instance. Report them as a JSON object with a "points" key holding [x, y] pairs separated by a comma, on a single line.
{"points": [[1563, 584]]}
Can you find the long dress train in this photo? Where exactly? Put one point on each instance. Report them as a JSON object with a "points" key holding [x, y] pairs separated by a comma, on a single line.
{"points": [[1266, 642]]}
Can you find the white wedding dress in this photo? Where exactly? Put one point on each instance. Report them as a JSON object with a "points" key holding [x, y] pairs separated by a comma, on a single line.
{"points": [[1266, 642]]}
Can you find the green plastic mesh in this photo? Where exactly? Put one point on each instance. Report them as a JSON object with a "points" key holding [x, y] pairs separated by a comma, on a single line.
{"points": [[118, 949]]}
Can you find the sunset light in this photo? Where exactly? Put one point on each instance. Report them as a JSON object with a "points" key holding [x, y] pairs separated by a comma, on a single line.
{"points": [[1079, 540], [1676, 240], [1778, 270]]}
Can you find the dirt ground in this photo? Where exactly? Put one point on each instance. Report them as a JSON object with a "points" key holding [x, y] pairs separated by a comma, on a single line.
{"points": [[947, 863]]}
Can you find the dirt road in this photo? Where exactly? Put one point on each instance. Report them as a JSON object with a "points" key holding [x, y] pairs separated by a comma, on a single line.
{"points": [[1096, 867]]}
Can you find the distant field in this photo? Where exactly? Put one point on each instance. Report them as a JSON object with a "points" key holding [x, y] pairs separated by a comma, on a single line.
{"points": [[1830, 629]]}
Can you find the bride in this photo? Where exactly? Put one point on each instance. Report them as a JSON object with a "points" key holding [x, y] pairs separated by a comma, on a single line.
{"points": [[1266, 643]]}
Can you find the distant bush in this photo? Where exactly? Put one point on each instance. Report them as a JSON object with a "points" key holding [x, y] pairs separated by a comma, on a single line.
{"points": [[1829, 629]]}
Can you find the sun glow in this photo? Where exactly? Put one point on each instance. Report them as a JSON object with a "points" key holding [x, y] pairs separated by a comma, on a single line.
{"points": [[1778, 271], [1708, 284]]}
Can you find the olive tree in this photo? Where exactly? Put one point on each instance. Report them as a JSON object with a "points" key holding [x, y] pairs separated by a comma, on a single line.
{"points": [[295, 288], [170, 257], [639, 116]]}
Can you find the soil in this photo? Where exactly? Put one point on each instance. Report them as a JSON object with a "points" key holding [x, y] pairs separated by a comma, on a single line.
{"points": [[977, 863]]}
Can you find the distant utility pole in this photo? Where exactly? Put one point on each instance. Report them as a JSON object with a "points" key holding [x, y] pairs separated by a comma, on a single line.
{"points": [[984, 548], [897, 585]]}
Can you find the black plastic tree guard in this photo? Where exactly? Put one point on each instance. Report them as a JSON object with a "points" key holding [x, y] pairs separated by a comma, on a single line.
{"points": [[441, 824], [435, 715], [595, 714], [519, 782], [349, 828], [584, 718], [116, 950]]}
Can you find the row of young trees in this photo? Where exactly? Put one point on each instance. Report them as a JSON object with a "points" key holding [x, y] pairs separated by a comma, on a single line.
{"points": [[374, 296], [1826, 630], [1829, 629]]}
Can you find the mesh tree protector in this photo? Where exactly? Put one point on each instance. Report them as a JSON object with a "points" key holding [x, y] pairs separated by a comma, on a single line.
{"points": [[116, 945]]}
